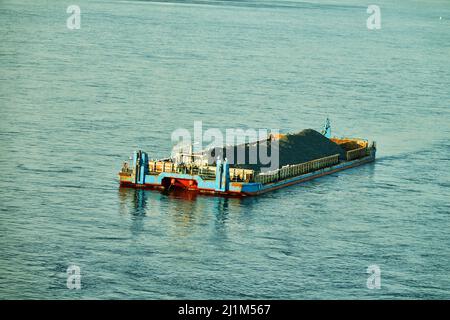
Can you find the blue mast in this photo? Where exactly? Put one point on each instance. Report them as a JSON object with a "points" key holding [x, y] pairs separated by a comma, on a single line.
{"points": [[327, 129]]}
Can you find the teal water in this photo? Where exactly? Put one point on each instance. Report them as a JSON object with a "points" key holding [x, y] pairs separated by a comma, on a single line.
{"points": [[75, 104]]}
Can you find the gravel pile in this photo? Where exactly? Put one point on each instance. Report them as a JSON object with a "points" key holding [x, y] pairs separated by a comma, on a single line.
{"points": [[350, 145], [295, 148]]}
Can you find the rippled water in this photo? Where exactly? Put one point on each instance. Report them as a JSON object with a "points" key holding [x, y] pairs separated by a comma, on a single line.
{"points": [[74, 104]]}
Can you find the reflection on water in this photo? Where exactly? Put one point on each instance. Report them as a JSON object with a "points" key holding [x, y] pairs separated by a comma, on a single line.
{"points": [[181, 194], [132, 201], [185, 209], [222, 205]]}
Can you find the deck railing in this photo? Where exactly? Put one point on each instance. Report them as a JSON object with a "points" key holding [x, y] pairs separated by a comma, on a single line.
{"points": [[205, 172], [356, 153], [246, 175], [297, 169]]}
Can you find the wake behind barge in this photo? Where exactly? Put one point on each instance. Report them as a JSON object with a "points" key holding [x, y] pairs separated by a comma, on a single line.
{"points": [[226, 179]]}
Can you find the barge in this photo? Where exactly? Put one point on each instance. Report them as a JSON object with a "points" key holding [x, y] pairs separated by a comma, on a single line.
{"points": [[226, 179]]}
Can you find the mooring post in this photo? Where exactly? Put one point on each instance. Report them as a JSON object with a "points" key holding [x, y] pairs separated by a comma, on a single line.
{"points": [[143, 164], [226, 175], [219, 171], [135, 167]]}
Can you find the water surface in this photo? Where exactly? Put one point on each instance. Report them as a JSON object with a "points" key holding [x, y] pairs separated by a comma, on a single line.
{"points": [[75, 104]]}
